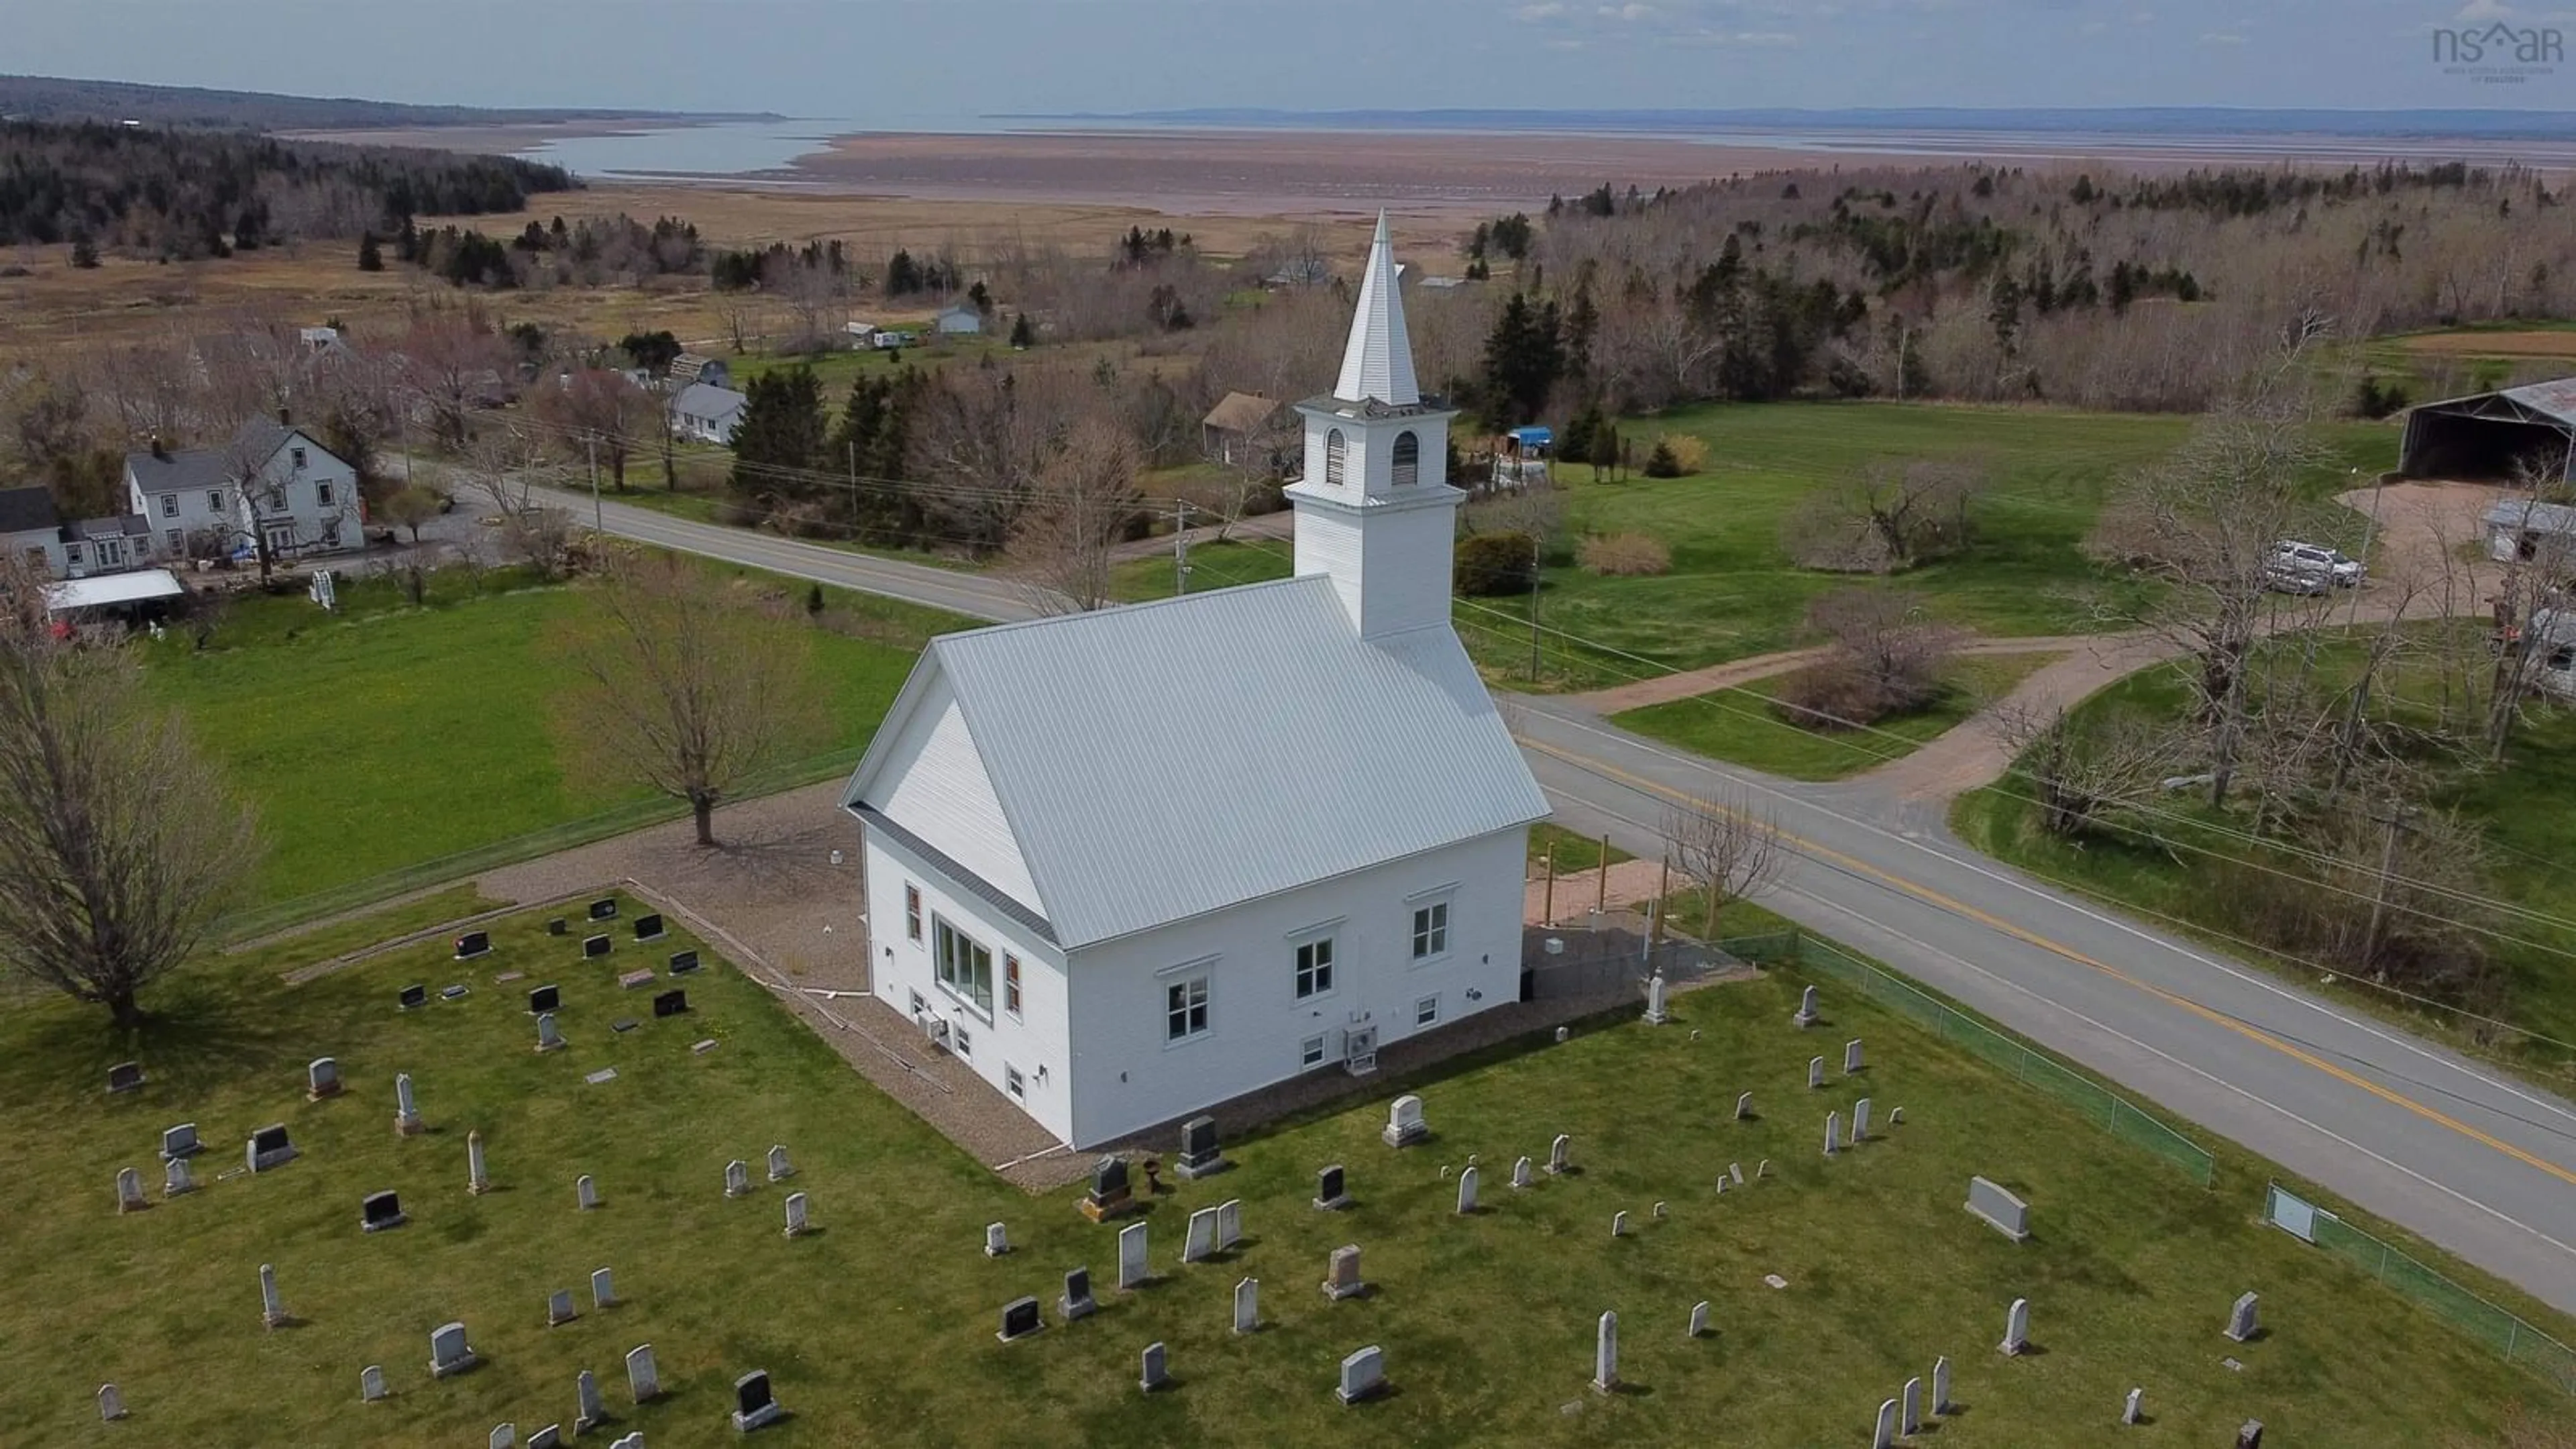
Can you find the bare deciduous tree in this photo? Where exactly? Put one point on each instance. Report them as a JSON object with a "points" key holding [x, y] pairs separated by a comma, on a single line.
{"points": [[2080, 772], [451, 363], [119, 843], [1085, 502], [691, 682], [502, 463], [601, 417], [1887, 517], [1724, 848]]}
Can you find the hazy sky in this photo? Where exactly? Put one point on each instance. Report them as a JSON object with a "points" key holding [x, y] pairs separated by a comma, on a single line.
{"points": [[914, 62]]}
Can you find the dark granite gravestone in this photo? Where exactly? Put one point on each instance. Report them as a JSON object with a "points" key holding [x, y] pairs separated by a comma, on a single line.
{"points": [[380, 1210], [457, 992], [624, 1024], [1077, 1301], [683, 962], [1198, 1155], [605, 909], [125, 1076], [1019, 1320], [557, 926], [544, 999], [414, 996], [594, 946], [753, 1405], [269, 1148], [473, 944], [1109, 1195], [1330, 1195], [648, 928], [669, 1003]]}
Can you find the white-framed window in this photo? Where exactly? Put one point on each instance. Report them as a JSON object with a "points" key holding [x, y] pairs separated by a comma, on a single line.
{"points": [[1310, 1052], [965, 965], [111, 552], [960, 1040], [1011, 985], [276, 495], [178, 543], [298, 456], [281, 537], [1314, 967], [72, 554], [912, 912], [1014, 1083], [1426, 1011], [1430, 930], [1408, 459], [331, 534], [321, 492], [919, 1006], [1185, 1009], [169, 505], [215, 499], [1337, 451]]}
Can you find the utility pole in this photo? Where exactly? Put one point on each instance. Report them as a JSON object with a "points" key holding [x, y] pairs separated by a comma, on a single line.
{"points": [[1547, 907], [1534, 557], [1180, 548], [2390, 817], [590, 449]]}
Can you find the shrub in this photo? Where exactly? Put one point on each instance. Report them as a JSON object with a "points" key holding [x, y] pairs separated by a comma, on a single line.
{"points": [[1495, 563], [1836, 694], [1690, 454], [1661, 463], [1624, 555]]}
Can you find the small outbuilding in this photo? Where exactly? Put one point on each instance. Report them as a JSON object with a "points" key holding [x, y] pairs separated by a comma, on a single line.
{"points": [[958, 319], [2493, 436], [2525, 530], [1246, 428]]}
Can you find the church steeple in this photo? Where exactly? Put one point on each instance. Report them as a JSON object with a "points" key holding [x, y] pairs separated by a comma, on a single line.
{"points": [[1375, 512]]}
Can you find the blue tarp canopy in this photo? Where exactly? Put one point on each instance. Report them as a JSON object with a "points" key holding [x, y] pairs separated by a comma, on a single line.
{"points": [[1533, 437]]}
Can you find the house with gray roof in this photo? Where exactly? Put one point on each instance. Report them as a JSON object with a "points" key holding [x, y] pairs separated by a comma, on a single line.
{"points": [[273, 484], [33, 528], [1109, 953], [706, 413]]}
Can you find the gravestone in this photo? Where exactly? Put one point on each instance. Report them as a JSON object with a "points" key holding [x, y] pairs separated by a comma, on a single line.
{"points": [[415, 995], [796, 1214], [1201, 1238], [1659, 1212], [600, 1078], [1520, 1172], [1467, 1192], [1019, 1320], [1860, 1121], [1605, 1355], [2016, 1327], [1342, 1275], [1656, 1015], [268, 1147], [1721, 1184], [177, 1177], [2000, 1210], [1807, 1015], [1762, 1170], [545, 999], [1560, 1153], [593, 1410], [1077, 1302], [478, 1175], [1199, 1156], [603, 1288], [1152, 1372], [560, 1309], [111, 1403], [1363, 1375], [125, 1077], [635, 980], [1911, 1416], [549, 1437], [737, 1178], [997, 1240], [2250, 1436], [1744, 1107], [473, 944], [1109, 1194], [593, 947], [1895, 1116], [1331, 1193], [585, 1192], [1131, 1257], [674, 1002], [2242, 1324], [1564, 1035], [1941, 1385], [406, 1111], [629, 1441], [558, 926], [1735, 1170], [1247, 1306], [378, 1211], [457, 992], [1884, 1436], [2133, 1407], [1698, 1320], [505, 1436], [780, 1169], [180, 1141], [643, 1377], [272, 1308], [753, 1404], [1404, 1123], [549, 1039], [648, 928], [604, 909], [683, 962], [1833, 1133], [1851, 1056], [1815, 1073], [1229, 1224], [371, 1383], [448, 1351], [129, 1191]]}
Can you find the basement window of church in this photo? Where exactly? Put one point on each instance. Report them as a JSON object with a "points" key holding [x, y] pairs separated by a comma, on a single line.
{"points": [[965, 965], [1336, 450], [1408, 459]]}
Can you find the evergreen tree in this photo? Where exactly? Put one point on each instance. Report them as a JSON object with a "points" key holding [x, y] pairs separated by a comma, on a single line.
{"points": [[1582, 319], [1022, 334], [1661, 463], [2003, 312], [781, 428], [903, 274], [371, 257], [1523, 357], [1605, 450], [84, 253]]}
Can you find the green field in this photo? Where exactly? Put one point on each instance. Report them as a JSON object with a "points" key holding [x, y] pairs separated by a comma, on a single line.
{"points": [[339, 726], [880, 1328], [1739, 726]]}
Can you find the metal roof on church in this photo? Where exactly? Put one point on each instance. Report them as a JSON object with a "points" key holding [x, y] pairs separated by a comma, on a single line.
{"points": [[1165, 760], [1377, 360]]}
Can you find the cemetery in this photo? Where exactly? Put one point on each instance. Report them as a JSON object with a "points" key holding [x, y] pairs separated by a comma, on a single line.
{"points": [[751, 1235]]}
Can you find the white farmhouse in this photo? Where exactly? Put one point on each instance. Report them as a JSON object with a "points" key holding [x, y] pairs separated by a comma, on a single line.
{"points": [[1131, 864], [705, 413], [272, 482]]}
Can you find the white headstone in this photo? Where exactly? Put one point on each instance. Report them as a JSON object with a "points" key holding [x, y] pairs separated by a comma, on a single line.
{"points": [[1860, 1120], [1521, 1172], [505, 1436], [1913, 1408], [449, 1353], [559, 1308], [478, 1178], [1229, 1224], [371, 1383], [1247, 1305], [1559, 1153], [321, 1078], [585, 1192], [1736, 1170], [1744, 1107], [1806, 1016], [1201, 1238], [1342, 1275], [737, 1178], [780, 1169], [1833, 1133], [1655, 1013], [129, 1190], [2017, 1326], [1941, 1385], [594, 1405], [1884, 1436], [1404, 1122], [2242, 1320], [1619, 1224], [549, 1036], [1851, 1056], [1131, 1256], [1151, 1373], [1815, 1073], [272, 1308], [406, 1111], [1466, 1192], [2000, 1210], [796, 1215], [1721, 1184], [111, 1403], [1363, 1375], [643, 1379], [603, 1289], [1605, 1354], [1699, 1319], [2131, 1408], [997, 1240]]}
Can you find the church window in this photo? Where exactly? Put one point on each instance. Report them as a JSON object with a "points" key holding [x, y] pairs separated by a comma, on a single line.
{"points": [[1185, 1009], [1315, 967], [912, 912], [1430, 930], [1336, 450], [965, 965], [1011, 984], [1408, 459]]}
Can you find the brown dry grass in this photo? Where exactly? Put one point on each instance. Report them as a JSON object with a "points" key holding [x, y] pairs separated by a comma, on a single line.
{"points": [[1624, 555]]}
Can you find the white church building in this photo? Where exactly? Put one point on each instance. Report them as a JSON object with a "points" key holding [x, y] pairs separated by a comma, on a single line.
{"points": [[1130, 864]]}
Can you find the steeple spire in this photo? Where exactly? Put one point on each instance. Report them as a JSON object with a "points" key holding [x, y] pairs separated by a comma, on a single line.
{"points": [[1377, 363]]}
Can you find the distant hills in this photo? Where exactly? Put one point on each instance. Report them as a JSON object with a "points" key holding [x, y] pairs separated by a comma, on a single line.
{"points": [[51, 98], [2140, 121]]}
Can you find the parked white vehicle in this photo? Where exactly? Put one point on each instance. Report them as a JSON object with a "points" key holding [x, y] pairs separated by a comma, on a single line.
{"points": [[2292, 556]]}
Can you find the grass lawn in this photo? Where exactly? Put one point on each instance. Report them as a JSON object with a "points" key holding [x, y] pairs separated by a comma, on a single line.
{"points": [[880, 1328], [1574, 853], [437, 717], [1738, 726]]}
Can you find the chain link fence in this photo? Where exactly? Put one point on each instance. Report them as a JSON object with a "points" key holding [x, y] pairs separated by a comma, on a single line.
{"points": [[2117, 1115], [2509, 1336], [1558, 963]]}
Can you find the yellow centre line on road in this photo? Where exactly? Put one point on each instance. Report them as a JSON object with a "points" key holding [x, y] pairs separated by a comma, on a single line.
{"points": [[1948, 903]]}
